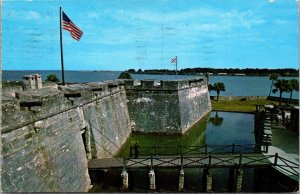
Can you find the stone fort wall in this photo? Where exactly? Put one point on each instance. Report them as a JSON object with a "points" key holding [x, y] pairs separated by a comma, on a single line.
{"points": [[50, 132], [166, 106]]}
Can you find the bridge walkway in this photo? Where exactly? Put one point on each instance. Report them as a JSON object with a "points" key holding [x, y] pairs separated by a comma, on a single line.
{"points": [[201, 161]]}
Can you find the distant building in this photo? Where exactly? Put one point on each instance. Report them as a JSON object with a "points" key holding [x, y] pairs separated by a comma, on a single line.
{"points": [[222, 73], [240, 74]]}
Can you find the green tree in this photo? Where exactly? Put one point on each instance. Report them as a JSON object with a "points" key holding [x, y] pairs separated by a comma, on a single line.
{"points": [[282, 85], [272, 77], [294, 86], [131, 70], [218, 87], [125, 75], [52, 78]]}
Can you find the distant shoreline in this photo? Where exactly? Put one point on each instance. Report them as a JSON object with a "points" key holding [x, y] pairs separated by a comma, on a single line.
{"points": [[205, 71], [255, 75]]}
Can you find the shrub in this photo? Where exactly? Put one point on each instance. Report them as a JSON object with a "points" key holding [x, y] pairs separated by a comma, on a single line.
{"points": [[52, 78], [125, 75]]}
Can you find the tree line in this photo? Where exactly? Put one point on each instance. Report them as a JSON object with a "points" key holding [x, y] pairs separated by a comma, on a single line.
{"points": [[229, 71], [283, 85]]}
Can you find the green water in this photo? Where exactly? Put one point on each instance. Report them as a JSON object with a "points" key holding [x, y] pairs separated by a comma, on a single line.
{"points": [[193, 137], [222, 128], [216, 128]]}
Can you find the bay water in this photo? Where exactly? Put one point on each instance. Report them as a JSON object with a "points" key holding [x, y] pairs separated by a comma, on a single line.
{"points": [[235, 85]]}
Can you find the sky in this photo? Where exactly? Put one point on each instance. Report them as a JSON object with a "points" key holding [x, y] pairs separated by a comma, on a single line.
{"points": [[147, 34]]}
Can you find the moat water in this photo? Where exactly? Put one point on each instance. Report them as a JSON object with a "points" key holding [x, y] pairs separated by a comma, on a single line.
{"points": [[217, 128]]}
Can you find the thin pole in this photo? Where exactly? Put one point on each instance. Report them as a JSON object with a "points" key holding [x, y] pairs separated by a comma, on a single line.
{"points": [[61, 50], [176, 68]]}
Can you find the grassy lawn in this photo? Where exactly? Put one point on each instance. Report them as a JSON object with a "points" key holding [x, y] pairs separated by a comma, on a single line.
{"points": [[240, 106]]}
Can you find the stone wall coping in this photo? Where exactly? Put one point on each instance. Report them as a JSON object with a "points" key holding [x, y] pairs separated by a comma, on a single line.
{"points": [[72, 96], [151, 84]]}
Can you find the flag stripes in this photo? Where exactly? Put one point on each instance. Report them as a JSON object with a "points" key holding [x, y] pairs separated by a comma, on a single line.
{"points": [[68, 25]]}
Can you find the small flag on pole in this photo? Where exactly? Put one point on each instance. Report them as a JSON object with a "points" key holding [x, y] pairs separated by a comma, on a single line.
{"points": [[75, 32], [174, 60]]}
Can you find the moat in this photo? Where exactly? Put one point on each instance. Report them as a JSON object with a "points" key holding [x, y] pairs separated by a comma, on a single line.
{"points": [[218, 128]]}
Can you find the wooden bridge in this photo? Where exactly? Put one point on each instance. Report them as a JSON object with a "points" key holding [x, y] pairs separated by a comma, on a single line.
{"points": [[205, 157], [201, 161]]}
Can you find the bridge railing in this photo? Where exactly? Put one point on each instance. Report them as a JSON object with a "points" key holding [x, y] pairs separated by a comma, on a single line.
{"points": [[215, 161], [193, 150], [287, 166]]}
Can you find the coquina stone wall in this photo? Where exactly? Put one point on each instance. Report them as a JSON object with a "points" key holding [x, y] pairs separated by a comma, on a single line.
{"points": [[166, 106], [49, 134]]}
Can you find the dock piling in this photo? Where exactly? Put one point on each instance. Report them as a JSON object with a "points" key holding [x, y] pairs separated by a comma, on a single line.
{"points": [[152, 180], [181, 180]]}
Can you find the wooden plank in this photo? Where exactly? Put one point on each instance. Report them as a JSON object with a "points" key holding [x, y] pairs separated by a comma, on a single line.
{"points": [[105, 163]]}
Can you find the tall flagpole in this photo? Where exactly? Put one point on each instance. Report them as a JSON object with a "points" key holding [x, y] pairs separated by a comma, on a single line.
{"points": [[61, 50], [176, 67]]}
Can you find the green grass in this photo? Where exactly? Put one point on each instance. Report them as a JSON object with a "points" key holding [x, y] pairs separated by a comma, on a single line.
{"points": [[240, 106]]}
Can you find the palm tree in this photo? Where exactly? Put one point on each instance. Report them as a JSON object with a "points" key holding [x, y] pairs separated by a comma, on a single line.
{"points": [[218, 87], [294, 86], [272, 77], [282, 85], [210, 87]]}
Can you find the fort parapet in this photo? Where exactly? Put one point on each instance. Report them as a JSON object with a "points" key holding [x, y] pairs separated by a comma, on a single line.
{"points": [[166, 106], [49, 132]]}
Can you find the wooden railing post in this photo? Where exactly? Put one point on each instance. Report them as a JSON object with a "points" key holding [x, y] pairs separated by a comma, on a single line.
{"points": [[232, 151], [240, 161], [276, 159], [180, 149], [181, 162], [205, 149], [151, 162], [209, 161]]}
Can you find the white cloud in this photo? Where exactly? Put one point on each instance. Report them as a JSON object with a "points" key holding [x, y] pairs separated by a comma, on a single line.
{"points": [[32, 15], [22, 15], [271, 1], [281, 22], [92, 15], [158, 17]]}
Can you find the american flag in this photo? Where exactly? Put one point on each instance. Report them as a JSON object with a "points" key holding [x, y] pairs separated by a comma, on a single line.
{"points": [[174, 60], [75, 32]]}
